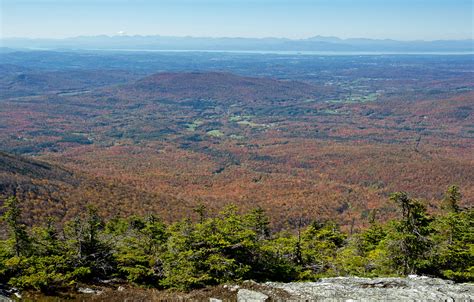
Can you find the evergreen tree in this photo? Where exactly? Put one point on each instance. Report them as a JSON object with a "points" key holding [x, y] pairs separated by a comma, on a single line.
{"points": [[259, 222], [319, 245], [12, 216], [91, 255], [47, 241], [453, 253], [451, 199], [201, 211], [370, 238], [408, 241], [139, 248]]}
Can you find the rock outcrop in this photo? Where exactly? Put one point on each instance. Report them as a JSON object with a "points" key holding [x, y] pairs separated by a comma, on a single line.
{"points": [[412, 288], [246, 295]]}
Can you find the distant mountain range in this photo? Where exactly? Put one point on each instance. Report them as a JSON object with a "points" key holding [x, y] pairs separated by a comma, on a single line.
{"points": [[317, 44]]}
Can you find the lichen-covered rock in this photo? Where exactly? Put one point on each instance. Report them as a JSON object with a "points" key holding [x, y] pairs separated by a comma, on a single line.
{"points": [[413, 288], [6, 292], [5, 299], [86, 290], [246, 295]]}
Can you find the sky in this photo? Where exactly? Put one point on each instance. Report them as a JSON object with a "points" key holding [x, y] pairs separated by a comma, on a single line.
{"points": [[394, 19]]}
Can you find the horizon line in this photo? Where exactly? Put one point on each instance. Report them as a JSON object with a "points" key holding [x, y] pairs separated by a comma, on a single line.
{"points": [[231, 37]]}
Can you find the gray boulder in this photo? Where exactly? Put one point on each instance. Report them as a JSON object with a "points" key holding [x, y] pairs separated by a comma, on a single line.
{"points": [[246, 295]]}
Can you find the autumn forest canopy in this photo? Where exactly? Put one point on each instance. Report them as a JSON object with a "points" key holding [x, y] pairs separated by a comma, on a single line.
{"points": [[186, 169]]}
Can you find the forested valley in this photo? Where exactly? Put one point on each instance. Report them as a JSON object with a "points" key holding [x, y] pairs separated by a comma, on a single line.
{"points": [[183, 171]]}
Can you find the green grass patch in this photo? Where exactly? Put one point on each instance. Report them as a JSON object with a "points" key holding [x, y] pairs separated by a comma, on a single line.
{"points": [[215, 133], [248, 123], [238, 137], [192, 127], [371, 97], [329, 111], [237, 118]]}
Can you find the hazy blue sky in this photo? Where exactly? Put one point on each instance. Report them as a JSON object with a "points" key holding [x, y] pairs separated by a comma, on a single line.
{"points": [[397, 19]]}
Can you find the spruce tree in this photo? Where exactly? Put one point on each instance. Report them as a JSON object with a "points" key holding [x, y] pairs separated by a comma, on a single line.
{"points": [[409, 240], [451, 199], [18, 233]]}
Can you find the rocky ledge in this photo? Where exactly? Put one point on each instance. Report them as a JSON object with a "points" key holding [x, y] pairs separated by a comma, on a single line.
{"points": [[412, 288]]}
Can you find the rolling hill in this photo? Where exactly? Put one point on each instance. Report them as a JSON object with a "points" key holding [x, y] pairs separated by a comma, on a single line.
{"points": [[215, 86], [17, 81]]}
